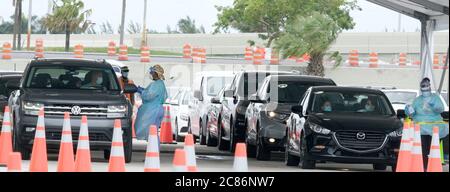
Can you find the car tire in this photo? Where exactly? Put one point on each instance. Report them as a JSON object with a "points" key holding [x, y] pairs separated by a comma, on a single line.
{"points": [[210, 142], [262, 154], [289, 160], [379, 167], [233, 142], [190, 131], [178, 138], [222, 144], [394, 168], [304, 163], [128, 150], [24, 152], [202, 138], [106, 154], [251, 150]]}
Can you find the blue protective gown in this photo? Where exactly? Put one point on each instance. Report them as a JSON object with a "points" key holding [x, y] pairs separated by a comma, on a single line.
{"points": [[427, 112], [151, 112]]}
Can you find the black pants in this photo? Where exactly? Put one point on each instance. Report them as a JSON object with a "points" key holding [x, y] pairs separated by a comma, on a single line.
{"points": [[426, 145]]}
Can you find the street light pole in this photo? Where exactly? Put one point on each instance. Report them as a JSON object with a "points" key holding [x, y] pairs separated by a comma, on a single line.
{"points": [[122, 25], [29, 23], [144, 30]]}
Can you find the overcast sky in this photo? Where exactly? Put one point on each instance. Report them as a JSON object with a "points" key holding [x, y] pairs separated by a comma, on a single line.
{"points": [[161, 13]]}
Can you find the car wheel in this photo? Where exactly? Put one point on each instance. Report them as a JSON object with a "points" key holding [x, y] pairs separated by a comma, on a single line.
{"points": [[210, 142], [289, 160], [221, 143], [24, 152], [379, 167], [251, 149], [178, 138], [202, 137], [262, 153], [106, 154], [304, 163], [128, 150], [233, 142]]}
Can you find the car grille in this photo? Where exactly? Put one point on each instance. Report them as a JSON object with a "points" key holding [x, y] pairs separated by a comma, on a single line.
{"points": [[348, 140], [88, 110], [92, 136]]}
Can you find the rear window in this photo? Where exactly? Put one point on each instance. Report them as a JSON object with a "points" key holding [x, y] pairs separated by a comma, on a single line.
{"points": [[64, 77]]}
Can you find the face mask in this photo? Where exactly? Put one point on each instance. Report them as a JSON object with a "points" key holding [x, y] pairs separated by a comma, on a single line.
{"points": [[426, 93], [370, 107], [99, 80], [327, 109], [125, 74]]}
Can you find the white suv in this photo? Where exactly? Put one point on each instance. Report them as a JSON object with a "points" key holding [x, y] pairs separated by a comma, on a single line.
{"points": [[206, 86]]}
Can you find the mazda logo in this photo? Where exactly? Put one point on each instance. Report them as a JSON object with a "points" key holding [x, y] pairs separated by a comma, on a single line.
{"points": [[76, 110], [360, 136]]}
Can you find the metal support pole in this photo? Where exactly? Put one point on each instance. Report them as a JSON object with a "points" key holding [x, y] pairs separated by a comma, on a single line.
{"points": [[441, 84], [122, 25]]}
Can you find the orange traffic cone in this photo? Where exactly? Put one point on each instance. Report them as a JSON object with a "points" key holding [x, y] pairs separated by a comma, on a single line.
{"points": [[434, 159], [39, 162], [240, 158], [83, 158], [15, 162], [152, 162], [416, 152], [179, 161], [5, 138], [166, 127], [117, 159], [404, 155], [190, 153], [66, 162]]}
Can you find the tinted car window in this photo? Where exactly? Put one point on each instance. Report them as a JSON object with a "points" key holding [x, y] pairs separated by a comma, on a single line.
{"points": [[290, 91], [249, 83], [350, 102], [215, 84], [60, 77]]}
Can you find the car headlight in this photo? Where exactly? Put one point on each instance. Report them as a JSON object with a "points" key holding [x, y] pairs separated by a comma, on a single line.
{"points": [[396, 133], [319, 129], [117, 111], [31, 108], [184, 117], [275, 115]]}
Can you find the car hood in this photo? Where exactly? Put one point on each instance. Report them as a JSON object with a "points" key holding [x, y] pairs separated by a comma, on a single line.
{"points": [[356, 122], [284, 108], [73, 97]]}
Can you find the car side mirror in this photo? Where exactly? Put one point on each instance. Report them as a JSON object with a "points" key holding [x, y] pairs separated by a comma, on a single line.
{"points": [[297, 109], [401, 114], [215, 100], [445, 115], [13, 85], [130, 88], [228, 93], [198, 95]]}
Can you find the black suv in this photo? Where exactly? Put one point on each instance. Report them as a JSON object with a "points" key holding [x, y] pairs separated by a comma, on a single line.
{"points": [[235, 104], [270, 108], [80, 87]]}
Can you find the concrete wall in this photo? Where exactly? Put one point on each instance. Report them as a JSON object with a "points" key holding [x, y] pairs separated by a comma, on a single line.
{"points": [[236, 43], [183, 74]]}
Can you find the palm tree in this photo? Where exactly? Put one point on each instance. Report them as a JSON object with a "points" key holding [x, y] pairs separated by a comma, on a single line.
{"points": [[311, 35], [68, 16]]}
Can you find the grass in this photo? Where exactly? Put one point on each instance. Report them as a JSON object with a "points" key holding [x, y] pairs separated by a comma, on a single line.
{"points": [[105, 50]]}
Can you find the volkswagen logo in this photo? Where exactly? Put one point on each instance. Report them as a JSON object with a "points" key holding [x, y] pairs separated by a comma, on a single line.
{"points": [[360, 136], [76, 110]]}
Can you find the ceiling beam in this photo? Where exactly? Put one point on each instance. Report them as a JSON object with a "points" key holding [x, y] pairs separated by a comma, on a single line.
{"points": [[432, 6]]}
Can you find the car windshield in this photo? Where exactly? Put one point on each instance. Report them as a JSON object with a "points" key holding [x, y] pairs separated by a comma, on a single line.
{"points": [[289, 91], [215, 84], [64, 77], [250, 83], [350, 102], [401, 97]]}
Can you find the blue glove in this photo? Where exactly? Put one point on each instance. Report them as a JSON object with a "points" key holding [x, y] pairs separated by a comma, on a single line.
{"points": [[409, 110], [140, 90], [430, 103]]}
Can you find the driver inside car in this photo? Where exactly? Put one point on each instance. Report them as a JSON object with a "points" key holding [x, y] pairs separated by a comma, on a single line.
{"points": [[94, 79]]}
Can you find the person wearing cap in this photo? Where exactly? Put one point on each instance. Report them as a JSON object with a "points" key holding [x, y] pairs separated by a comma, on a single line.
{"points": [[124, 80], [426, 111], [151, 112]]}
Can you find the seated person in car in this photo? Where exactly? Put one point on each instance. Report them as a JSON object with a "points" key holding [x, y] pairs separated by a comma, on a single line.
{"points": [[93, 79]]}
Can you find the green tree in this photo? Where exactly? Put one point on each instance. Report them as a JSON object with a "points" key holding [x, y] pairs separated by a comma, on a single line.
{"points": [[68, 16], [134, 28], [188, 26], [270, 17], [106, 28], [36, 25], [311, 35]]}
